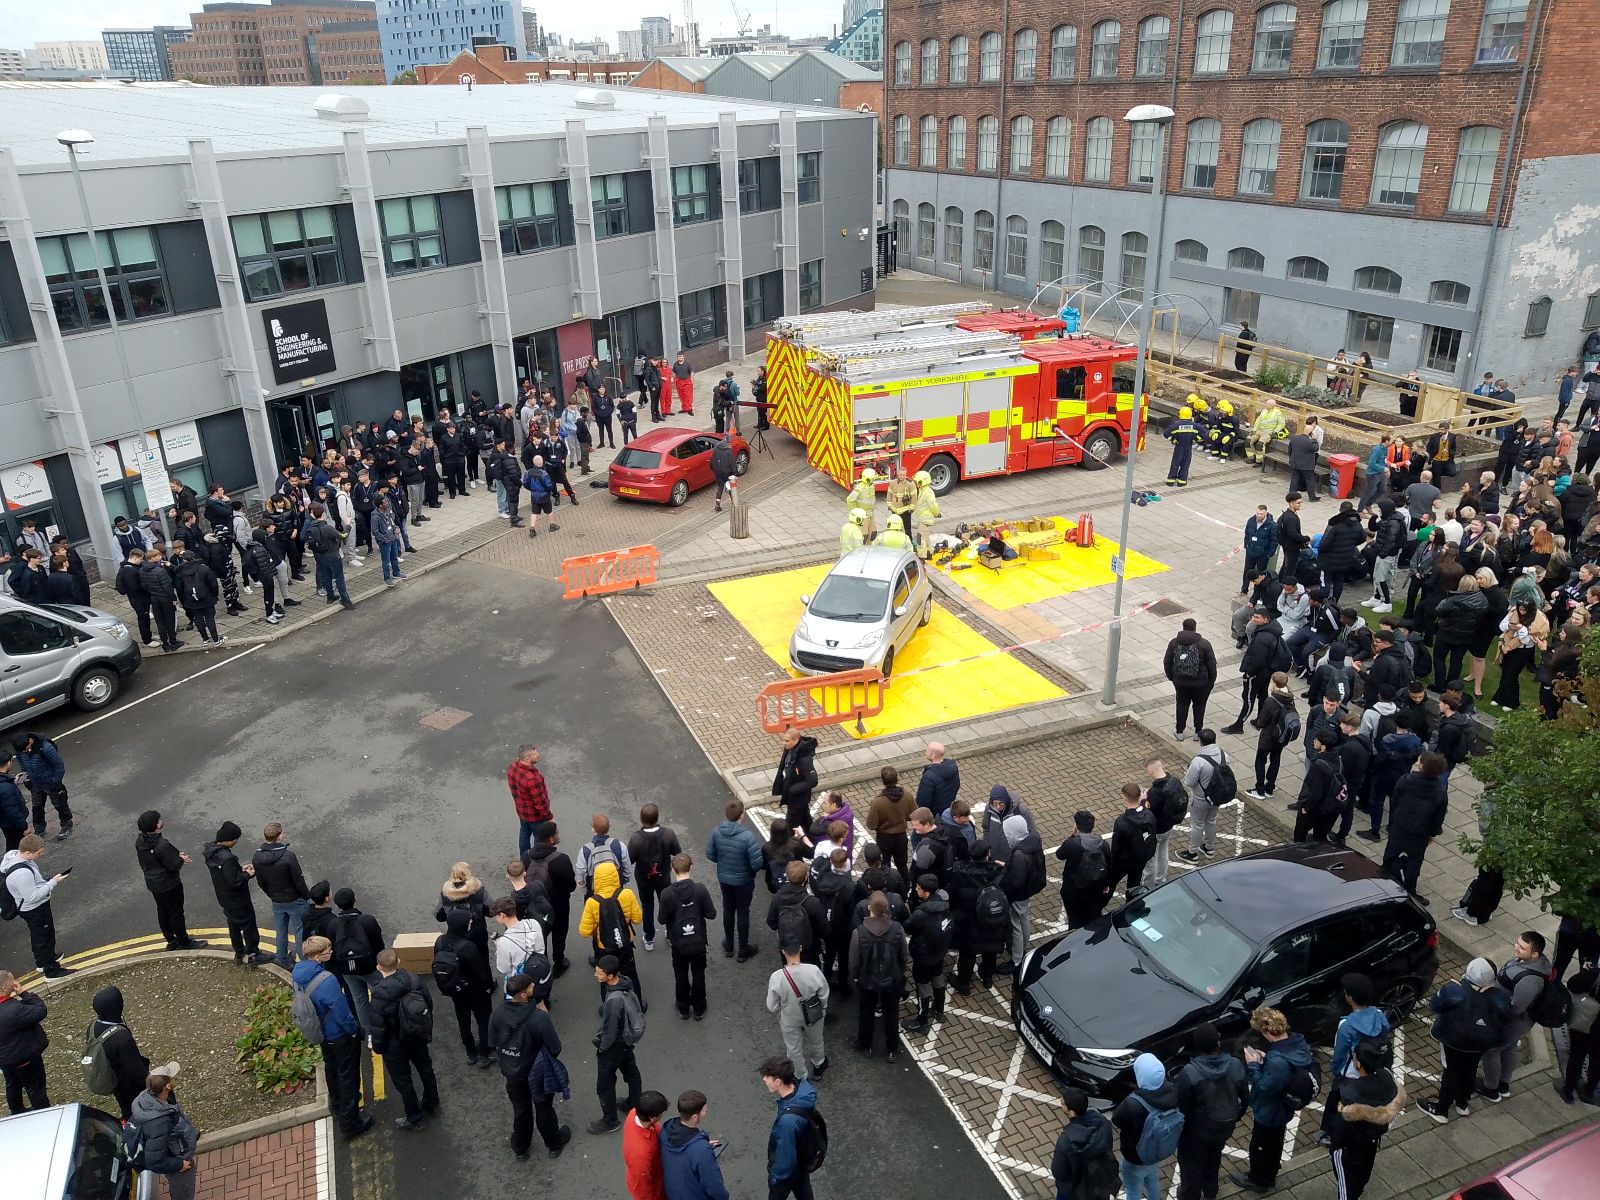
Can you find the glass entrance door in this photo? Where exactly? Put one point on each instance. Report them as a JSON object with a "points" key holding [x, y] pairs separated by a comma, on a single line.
{"points": [[539, 360], [289, 429]]}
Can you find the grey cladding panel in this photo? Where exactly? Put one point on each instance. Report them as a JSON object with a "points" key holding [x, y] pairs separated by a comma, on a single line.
{"points": [[186, 260], [460, 225]]}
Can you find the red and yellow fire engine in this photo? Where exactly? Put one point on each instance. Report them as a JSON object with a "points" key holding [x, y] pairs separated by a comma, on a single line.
{"points": [[958, 391]]}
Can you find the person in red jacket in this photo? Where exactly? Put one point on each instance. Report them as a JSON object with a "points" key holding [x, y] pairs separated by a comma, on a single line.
{"points": [[530, 795], [641, 1148]]}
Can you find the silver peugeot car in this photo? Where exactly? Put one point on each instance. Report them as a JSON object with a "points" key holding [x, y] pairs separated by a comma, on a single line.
{"points": [[863, 613]]}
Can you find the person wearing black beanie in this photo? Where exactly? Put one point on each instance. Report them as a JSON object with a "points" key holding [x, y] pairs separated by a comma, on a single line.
{"points": [[231, 880], [160, 861]]}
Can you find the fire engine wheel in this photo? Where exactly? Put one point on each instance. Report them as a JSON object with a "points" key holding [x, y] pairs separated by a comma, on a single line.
{"points": [[1101, 447], [942, 473]]}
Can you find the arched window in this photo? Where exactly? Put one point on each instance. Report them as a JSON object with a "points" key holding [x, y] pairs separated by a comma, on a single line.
{"points": [[1135, 251], [954, 233], [958, 59], [1473, 180], [1064, 52], [1022, 145], [1307, 269], [902, 64], [902, 140], [955, 144], [988, 143], [1419, 31], [1243, 258], [1258, 157], [928, 142], [1189, 250], [930, 62], [902, 223], [925, 231], [1448, 291], [1344, 26], [983, 240], [1024, 55], [1106, 41], [1092, 253], [1150, 57], [1016, 247], [1057, 148], [1274, 38], [1200, 154], [1097, 150], [1378, 279], [1142, 139], [1052, 250], [1213, 38], [1322, 173], [1397, 171], [989, 58]]}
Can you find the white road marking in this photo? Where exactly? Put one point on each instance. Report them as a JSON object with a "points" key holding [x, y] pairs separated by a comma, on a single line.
{"points": [[133, 703]]}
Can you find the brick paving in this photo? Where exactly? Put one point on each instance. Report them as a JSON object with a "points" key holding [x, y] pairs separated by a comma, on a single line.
{"points": [[286, 1165]]}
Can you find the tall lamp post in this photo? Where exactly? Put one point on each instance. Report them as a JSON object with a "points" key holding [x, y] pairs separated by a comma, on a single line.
{"points": [[72, 139], [1160, 116]]}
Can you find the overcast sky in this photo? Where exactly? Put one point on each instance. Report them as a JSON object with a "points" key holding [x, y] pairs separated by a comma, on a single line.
{"points": [[26, 22]]}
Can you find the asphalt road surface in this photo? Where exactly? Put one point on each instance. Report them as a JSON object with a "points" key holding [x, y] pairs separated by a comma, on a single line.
{"points": [[321, 731]]}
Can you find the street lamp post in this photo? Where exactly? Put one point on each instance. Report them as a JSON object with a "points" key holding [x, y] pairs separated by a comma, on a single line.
{"points": [[72, 139], [1160, 116]]}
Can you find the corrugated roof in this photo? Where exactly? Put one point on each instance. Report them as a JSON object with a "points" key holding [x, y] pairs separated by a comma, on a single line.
{"points": [[769, 66], [843, 67], [155, 120], [692, 69]]}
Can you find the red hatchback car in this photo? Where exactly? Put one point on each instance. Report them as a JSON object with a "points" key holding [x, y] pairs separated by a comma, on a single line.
{"points": [[664, 465], [1552, 1172]]}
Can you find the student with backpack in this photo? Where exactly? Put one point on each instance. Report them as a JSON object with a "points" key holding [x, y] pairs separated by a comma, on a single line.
{"points": [[324, 1017], [1364, 1023], [1149, 1125], [982, 917], [1211, 784], [736, 851], [402, 1027], [524, 1041], [1584, 986], [929, 931], [1322, 793], [1470, 1020], [610, 916], [520, 948], [601, 850], [878, 969], [1283, 1080], [1133, 841], [1085, 872], [686, 915], [1168, 802], [357, 937], [547, 865], [462, 973], [25, 893], [797, 916], [1024, 878], [833, 886], [798, 1144], [620, 1030], [112, 1064], [651, 850], [1191, 667], [1280, 727], [1083, 1166], [41, 769], [1525, 978], [162, 1136], [1212, 1095]]}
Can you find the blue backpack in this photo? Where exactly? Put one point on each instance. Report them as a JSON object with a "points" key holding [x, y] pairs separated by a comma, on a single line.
{"points": [[1162, 1128]]}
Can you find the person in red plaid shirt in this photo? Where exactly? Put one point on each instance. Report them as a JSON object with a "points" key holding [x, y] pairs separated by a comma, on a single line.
{"points": [[530, 794]]}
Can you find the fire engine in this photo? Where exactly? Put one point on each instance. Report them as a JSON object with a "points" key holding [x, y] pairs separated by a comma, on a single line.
{"points": [[958, 391]]}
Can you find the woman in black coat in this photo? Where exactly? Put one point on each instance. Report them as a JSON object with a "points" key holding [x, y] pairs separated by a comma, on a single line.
{"points": [[1338, 553], [1576, 502]]}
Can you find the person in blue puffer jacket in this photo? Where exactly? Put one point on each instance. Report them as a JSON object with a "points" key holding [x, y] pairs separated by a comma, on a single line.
{"points": [[13, 808], [45, 774], [736, 851], [786, 1172]]}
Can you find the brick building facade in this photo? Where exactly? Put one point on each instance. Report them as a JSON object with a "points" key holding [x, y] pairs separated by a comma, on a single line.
{"points": [[500, 64], [242, 45], [1334, 172]]}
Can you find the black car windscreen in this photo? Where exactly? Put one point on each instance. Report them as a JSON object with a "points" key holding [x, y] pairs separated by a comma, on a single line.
{"points": [[1187, 941]]}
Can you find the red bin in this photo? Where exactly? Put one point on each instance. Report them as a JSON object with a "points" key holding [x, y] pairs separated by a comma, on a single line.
{"points": [[1342, 475]]}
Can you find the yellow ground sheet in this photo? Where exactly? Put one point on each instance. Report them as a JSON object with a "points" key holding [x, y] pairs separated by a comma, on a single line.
{"points": [[1027, 581], [951, 689]]}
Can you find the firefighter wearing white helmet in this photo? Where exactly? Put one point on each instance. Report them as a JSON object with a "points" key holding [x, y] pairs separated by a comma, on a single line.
{"points": [[926, 511], [851, 536], [865, 497]]}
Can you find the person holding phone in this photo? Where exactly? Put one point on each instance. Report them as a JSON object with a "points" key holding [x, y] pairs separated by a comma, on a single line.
{"points": [[688, 1157], [30, 894]]}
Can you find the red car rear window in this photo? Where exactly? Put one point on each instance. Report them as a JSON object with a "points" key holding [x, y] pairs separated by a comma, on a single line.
{"points": [[638, 460]]}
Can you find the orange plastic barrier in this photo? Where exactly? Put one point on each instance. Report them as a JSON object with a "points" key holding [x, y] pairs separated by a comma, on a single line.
{"points": [[613, 571], [821, 700]]}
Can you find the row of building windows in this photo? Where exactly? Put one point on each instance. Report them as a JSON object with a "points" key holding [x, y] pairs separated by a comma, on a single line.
{"points": [[1418, 42], [1364, 331], [1396, 171]]}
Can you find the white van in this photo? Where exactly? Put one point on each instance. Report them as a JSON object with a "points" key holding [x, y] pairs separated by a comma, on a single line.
{"points": [[69, 1152], [58, 654]]}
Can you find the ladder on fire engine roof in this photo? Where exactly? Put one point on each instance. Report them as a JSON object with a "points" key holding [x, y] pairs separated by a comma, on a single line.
{"points": [[930, 345], [826, 328], [946, 356]]}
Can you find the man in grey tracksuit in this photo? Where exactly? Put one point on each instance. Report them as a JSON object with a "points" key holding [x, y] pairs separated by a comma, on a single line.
{"points": [[1522, 977], [1202, 813], [786, 988]]}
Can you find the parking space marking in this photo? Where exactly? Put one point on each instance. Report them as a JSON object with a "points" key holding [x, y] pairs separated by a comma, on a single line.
{"points": [[135, 703]]}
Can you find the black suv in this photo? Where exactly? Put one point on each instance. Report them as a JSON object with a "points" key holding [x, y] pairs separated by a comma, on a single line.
{"points": [[1276, 928]]}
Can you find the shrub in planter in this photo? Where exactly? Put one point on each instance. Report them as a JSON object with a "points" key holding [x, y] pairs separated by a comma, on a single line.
{"points": [[271, 1048], [1321, 397], [1277, 377]]}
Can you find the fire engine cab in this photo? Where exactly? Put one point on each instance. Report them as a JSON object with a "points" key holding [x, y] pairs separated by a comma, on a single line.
{"points": [[958, 391]]}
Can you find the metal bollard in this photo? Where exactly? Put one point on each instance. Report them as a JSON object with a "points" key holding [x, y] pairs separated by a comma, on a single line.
{"points": [[738, 514]]}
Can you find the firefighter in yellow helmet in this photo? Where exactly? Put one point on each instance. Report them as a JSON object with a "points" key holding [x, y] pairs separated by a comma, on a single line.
{"points": [[1182, 433], [1224, 434], [1202, 419], [926, 513], [894, 537], [864, 495], [851, 535], [902, 498]]}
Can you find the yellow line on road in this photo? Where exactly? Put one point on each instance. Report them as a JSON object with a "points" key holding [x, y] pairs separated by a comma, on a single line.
{"points": [[111, 951], [378, 1090]]}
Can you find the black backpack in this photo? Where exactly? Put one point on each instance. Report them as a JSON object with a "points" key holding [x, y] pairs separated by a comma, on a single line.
{"points": [[415, 1013], [881, 970], [352, 949], [1287, 727], [811, 1146], [993, 913], [686, 925], [1222, 786], [652, 870], [837, 893], [613, 934], [1219, 1101], [1093, 867], [8, 903], [1187, 664], [1281, 658], [1304, 1086], [794, 927], [448, 976]]}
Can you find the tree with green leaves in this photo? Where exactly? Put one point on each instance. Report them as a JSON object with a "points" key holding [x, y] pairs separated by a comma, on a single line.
{"points": [[1540, 813]]}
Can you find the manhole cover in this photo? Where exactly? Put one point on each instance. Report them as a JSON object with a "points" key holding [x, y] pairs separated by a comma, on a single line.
{"points": [[1168, 608], [443, 719]]}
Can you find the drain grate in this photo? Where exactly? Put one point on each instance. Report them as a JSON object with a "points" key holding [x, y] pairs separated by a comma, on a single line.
{"points": [[443, 719], [1168, 608]]}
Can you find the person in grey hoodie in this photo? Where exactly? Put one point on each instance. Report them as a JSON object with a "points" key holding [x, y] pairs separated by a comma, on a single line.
{"points": [[736, 852], [1202, 813], [168, 1135], [1141, 1180], [1523, 977], [1212, 1095], [1024, 879]]}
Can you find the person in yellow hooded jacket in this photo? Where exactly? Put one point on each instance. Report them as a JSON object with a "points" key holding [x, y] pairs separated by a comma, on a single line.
{"points": [[610, 916]]}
